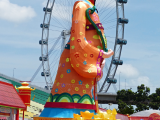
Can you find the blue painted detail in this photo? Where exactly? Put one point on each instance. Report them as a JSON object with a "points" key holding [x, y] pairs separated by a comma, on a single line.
{"points": [[68, 70], [62, 112], [92, 92], [96, 98], [85, 63], [56, 90], [80, 82]]}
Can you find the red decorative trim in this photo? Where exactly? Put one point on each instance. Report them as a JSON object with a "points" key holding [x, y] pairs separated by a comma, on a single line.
{"points": [[95, 83], [76, 55], [46, 118], [91, 55], [5, 114], [14, 106], [78, 40], [91, 27], [73, 31], [69, 105], [6, 83], [99, 60]]}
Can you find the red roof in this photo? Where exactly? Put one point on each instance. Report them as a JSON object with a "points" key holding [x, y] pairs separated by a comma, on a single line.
{"points": [[4, 118], [9, 96]]}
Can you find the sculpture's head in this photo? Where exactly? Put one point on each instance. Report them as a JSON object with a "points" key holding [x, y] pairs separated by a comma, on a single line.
{"points": [[92, 1]]}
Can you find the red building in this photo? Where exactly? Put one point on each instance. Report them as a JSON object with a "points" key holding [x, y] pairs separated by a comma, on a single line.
{"points": [[10, 102]]}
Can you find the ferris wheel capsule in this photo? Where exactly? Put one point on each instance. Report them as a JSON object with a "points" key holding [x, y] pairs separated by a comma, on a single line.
{"points": [[122, 1], [123, 20], [48, 9]]}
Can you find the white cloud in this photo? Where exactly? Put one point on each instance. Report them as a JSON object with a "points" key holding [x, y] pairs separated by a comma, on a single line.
{"points": [[140, 80], [124, 84], [127, 70], [13, 12], [44, 3]]}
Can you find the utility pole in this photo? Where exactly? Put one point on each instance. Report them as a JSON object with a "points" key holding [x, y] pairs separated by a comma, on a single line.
{"points": [[125, 84], [119, 81], [13, 72]]}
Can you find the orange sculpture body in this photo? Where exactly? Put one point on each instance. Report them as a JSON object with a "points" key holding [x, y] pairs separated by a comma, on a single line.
{"points": [[80, 67]]}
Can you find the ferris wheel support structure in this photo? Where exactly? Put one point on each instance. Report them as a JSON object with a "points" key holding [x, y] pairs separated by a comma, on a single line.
{"points": [[44, 44], [119, 42]]}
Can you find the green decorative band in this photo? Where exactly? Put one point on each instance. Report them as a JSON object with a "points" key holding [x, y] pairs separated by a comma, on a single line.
{"points": [[95, 26]]}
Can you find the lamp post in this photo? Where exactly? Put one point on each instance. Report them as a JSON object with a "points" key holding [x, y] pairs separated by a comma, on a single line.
{"points": [[125, 84], [109, 105], [119, 81], [13, 72]]}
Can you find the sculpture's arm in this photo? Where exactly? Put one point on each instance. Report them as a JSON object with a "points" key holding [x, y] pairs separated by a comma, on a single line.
{"points": [[85, 58]]}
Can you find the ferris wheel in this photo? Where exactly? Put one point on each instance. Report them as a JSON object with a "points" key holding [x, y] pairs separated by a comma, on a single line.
{"points": [[56, 33]]}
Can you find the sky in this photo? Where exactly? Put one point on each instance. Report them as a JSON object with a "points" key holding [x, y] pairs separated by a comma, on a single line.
{"points": [[20, 50]]}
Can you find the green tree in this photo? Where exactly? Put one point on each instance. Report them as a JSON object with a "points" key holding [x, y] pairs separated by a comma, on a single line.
{"points": [[123, 108], [125, 95], [142, 98], [123, 98], [154, 100]]}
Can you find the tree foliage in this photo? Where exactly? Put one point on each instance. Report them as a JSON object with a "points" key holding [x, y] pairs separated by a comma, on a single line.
{"points": [[123, 108], [124, 97], [140, 98], [154, 100]]}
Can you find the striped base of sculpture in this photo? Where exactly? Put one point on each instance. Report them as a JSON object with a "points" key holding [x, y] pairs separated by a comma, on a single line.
{"points": [[108, 115]]}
